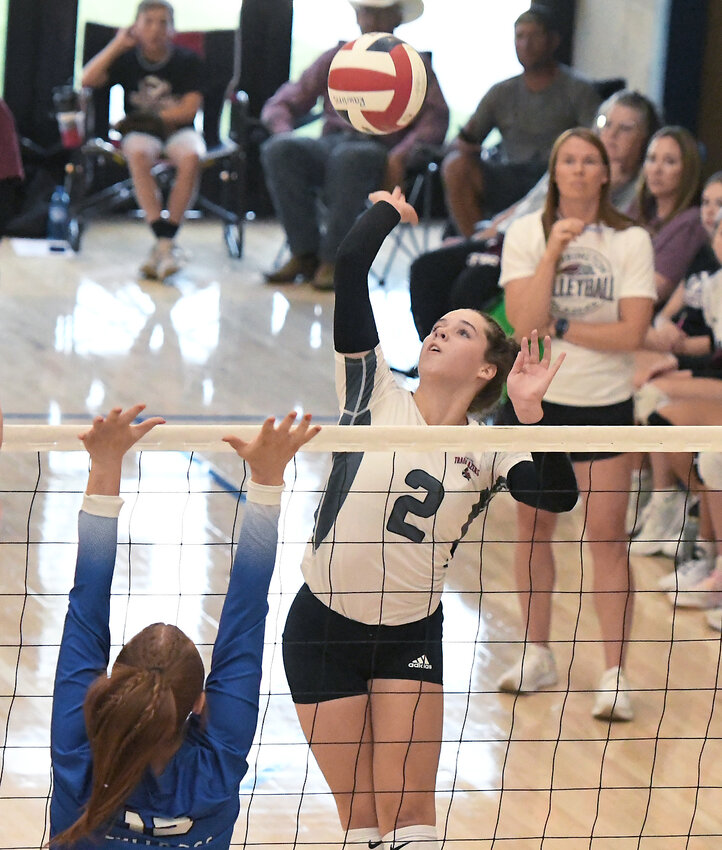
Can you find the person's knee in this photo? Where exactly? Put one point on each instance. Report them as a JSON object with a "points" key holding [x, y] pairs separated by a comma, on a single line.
{"points": [[141, 149], [187, 162], [139, 159], [278, 148], [355, 158], [460, 168]]}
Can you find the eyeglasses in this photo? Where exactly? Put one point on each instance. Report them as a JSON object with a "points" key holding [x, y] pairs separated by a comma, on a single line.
{"points": [[615, 127]]}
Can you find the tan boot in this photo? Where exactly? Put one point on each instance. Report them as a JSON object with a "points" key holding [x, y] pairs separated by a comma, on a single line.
{"points": [[297, 268], [323, 279]]}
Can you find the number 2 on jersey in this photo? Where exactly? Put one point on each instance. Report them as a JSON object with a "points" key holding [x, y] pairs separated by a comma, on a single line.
{"points": [[408, 504]]}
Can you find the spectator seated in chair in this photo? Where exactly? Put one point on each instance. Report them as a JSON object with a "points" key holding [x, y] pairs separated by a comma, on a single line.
{"points": [[342, 166], [162, 96], [530, 111]]}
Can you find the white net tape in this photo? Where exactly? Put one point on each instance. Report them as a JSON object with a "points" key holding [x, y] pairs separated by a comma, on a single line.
{"points": [[206, 438]]}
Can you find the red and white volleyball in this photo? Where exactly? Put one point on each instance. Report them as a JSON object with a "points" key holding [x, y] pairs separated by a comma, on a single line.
{"points": [[377, 83]]}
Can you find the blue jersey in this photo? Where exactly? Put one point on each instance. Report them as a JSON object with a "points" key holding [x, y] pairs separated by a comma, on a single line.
{"points": [[194, 802]]}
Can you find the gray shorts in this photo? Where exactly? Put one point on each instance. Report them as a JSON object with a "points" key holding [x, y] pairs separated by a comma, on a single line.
{"points": [[184, 142]]}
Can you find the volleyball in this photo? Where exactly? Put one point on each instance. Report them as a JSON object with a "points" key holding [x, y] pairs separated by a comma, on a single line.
{"points": [[377, 83]]}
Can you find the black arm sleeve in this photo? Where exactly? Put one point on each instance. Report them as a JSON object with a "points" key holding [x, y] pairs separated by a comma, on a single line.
{"points": [[546, 482], [354, 328]]}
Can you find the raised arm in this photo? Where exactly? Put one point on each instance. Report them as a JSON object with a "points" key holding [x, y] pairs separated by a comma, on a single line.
{"points": [[547, 481], [528, 299], [354, 327], [95, 73], [232, 687], [85, 644]]}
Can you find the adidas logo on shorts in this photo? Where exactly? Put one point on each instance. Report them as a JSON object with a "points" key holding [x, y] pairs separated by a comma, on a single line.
{"points": [[422, 661]]}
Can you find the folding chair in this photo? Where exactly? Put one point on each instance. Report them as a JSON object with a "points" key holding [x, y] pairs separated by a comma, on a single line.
{"points": [[97, 175], [422, 178]]}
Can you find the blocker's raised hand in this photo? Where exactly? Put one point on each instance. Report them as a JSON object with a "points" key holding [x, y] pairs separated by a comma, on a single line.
{"points": [[111, 436], [530, 377], [107, 440], [271, 449]]}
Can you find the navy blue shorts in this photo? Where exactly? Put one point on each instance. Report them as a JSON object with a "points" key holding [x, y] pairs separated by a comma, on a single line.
{"points": [[328, 656]]}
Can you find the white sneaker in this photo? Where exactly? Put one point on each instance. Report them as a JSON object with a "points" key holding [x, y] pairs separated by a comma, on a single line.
{"points": [[691, 572], [149, 269], [662, 521], [681, 548], [714, 619], [170, 261], [705, 594], [612, 702], [539, 671], [640, 492]]}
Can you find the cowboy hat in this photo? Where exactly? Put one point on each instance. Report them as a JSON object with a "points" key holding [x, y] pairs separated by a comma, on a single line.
{"points": [[410, 10]]}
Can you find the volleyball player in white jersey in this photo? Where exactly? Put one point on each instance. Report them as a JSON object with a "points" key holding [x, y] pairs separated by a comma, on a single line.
{"points": [[362, 644]]}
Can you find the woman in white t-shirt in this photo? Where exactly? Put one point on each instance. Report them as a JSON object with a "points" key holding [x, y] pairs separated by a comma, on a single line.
{"points": [[583, 271]]}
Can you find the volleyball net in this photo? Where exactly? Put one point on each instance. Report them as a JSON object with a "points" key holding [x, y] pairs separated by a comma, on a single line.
{"points": [[516, 772]]}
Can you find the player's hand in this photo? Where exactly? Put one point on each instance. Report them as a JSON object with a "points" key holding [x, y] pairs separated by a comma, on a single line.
{"points": [[110, 437], [397, 199], [268, 453], [530, 377]]}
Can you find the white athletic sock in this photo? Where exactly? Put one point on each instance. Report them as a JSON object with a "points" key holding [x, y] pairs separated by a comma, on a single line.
{"points": [[368, 835], [413, 838]]}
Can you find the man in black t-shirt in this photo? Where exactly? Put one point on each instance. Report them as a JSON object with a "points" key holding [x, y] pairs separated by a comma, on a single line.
{"points": [[162, 96]]}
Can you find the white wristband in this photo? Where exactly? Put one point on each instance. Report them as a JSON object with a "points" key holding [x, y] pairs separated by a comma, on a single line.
{"points": [[107, 506], [264, 494]]}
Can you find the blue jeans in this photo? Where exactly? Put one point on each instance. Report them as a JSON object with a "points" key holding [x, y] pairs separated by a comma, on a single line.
{"points": [[337, 170]]}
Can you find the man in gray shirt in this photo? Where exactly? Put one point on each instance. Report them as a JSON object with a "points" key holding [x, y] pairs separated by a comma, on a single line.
{"points": [[530, 111]]}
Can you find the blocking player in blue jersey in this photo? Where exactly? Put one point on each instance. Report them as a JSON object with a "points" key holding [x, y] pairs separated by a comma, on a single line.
{"points": [[147, 755], [362, 644]]}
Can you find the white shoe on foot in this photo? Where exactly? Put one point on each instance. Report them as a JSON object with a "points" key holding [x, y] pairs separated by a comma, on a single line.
{"points": [[539, 671], [612, 702], [714, 619], [169, 262], [149, 269], [706, 594], [662, 521], [692, 572]]}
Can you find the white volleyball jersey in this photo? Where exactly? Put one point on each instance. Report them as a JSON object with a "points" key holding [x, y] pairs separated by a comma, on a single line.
{"points": [[388, 522]]}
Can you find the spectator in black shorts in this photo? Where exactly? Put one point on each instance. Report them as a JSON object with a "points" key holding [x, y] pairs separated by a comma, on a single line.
{"points": [[582, 271]]}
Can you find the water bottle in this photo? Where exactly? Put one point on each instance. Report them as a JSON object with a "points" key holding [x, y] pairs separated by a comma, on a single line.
{"points": [[58, 214]]}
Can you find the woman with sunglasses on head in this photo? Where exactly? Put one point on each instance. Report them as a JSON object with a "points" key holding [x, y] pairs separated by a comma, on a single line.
{"points": [[584, 271]]}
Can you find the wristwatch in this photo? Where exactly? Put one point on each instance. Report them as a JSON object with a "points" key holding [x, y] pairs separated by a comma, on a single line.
{"points": [[561, 326]]}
